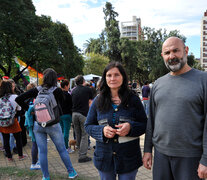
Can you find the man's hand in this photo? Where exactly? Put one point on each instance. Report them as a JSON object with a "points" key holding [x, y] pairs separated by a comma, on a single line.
{"points": [[147, 160], [202, 171]]}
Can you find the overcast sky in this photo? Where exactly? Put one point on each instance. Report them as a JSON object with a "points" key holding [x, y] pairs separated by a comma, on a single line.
{"points": [[85, 18]]}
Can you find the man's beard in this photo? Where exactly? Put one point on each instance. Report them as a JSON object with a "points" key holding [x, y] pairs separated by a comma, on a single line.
{"points": [[170, 64]]}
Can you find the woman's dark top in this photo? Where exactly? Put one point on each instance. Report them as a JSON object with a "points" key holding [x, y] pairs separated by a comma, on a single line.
{"points": [[67, 103], [123, 154]]}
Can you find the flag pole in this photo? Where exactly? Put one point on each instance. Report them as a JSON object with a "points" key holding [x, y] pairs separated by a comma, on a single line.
{"points": [[37, 73]]}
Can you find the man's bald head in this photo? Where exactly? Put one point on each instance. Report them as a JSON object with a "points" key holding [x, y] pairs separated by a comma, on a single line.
{"points": [[173, 40]]}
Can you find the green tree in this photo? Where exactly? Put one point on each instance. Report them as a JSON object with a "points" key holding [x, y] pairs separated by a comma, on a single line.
{"points": [[128, 51], [103, 44], [112, 33], [108, 42], [193, 63], [97, 46], [95, 63], [177, 34], [16, 22], [93, 45], [63, 55], [149, 52], [53, 47], [36, 40], [40, 49]]}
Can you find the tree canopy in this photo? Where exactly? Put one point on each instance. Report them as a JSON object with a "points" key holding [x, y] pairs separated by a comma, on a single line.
{"points": [[112, 32], [95, 63], [141, 59], [36, 40]]}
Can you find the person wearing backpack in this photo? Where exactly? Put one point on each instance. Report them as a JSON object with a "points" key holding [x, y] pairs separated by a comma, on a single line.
{"points": [[8, 119], [49, 93], [29, 124], [21, 119]]}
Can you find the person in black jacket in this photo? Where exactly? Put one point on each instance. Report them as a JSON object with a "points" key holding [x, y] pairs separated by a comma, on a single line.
{"points": [[66, 118], [82, 98], [54, 131]]}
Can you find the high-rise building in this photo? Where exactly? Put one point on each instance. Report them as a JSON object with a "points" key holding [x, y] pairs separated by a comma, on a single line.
{"points": [[132, 29], [203, 58]]}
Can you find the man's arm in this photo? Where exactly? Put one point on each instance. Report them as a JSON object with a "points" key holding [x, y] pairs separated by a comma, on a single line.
{"points": [[32, 93], [150, 125], [147, 158], [202, 168]]}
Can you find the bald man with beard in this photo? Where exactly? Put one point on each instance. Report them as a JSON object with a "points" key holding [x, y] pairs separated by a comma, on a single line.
{"points": [[177, 122]]}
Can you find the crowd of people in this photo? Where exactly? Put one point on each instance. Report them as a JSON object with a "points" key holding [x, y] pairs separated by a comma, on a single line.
{"points": [[171, 114]]}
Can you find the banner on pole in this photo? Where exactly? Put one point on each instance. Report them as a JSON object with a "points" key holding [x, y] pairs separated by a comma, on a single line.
{"points": [[29, 73]]}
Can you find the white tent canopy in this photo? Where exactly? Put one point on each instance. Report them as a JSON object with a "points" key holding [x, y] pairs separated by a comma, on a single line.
{"points": [[86, 77]]}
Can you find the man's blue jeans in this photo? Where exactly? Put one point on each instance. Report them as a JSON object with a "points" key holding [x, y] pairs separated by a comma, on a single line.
{"points": [[146, 106], [55, 133]]}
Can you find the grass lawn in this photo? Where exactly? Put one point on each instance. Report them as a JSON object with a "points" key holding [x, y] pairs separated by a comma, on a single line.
{"points": [[14, 173]]}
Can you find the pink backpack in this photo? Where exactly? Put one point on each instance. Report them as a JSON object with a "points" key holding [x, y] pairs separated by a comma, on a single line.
{"points": [[46, 108]]}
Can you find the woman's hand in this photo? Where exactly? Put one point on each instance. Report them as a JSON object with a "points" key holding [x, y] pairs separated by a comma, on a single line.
{"points": [[109, 132], [123, 130]]}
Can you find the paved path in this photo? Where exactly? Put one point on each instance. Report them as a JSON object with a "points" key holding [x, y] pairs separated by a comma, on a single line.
{"points": [[55, 164]]}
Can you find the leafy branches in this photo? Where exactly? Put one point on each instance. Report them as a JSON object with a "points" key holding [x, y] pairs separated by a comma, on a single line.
{"points": [[36, 40]]}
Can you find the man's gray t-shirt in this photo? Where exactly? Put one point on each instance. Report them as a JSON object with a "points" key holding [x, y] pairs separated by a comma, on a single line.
{"points": [[177, 124]]}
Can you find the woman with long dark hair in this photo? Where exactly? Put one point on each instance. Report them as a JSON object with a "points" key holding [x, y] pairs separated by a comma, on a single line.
{"points": [[116, 119], [6, 90], [54, 130]]}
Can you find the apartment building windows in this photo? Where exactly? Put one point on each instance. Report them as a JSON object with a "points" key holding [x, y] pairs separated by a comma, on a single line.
{"points": [[131, 29], [203, 58]]}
